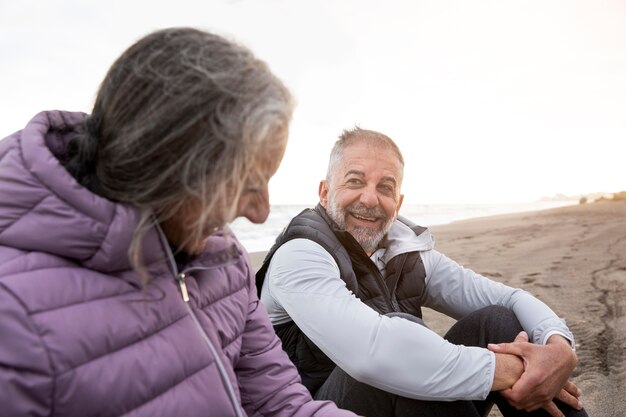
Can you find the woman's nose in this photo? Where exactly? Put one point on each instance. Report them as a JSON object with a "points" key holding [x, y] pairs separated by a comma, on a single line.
{"points": [[257, 207]]}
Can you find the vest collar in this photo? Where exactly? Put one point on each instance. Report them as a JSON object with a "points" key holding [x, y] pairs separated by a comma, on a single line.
{"points": [[402, 239]]}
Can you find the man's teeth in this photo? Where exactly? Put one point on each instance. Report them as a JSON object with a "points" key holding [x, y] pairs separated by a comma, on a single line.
{"points": [[369, 219]]}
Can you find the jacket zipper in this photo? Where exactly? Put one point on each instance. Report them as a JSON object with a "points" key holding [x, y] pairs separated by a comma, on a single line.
{"points": [[180, 278], [183, 287], [218, 362]]}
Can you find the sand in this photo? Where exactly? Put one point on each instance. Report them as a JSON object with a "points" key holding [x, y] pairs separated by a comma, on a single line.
{"points": [[572, 258]]}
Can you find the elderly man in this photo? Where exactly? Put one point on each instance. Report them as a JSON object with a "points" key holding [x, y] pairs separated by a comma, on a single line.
{"points": [[344, 286]]}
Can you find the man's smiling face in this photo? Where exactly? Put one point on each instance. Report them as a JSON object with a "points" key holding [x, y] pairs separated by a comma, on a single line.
{"points": [[363, 194]]}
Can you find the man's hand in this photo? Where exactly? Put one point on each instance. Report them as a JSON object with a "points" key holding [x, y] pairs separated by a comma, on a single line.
{"points": [[546, 372]]}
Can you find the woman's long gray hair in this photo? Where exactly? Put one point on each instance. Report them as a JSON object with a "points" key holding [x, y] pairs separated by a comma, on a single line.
{"points": [[181, 116]]}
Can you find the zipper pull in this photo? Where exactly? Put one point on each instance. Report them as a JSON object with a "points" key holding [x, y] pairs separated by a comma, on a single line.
{"points": [[183, 286]]}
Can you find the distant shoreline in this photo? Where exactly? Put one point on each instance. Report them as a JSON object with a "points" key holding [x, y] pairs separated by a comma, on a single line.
{"points": [[260, 237], [257, 257]]}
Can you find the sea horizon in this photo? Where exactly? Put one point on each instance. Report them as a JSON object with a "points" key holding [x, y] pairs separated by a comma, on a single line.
{"points": [[260, 237]]}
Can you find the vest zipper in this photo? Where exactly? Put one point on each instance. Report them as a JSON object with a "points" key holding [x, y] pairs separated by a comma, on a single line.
{"points": [[396, 280], [383, 287], [180, 278]]}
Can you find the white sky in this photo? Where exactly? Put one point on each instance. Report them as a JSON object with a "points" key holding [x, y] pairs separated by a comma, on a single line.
{"points": [[490, 101]]}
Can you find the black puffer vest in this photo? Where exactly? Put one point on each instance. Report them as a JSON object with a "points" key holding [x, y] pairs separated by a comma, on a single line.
{"points": [[400, 291]]}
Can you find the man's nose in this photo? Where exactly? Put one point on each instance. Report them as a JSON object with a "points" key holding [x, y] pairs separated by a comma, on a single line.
{"points": [[369, 197]]}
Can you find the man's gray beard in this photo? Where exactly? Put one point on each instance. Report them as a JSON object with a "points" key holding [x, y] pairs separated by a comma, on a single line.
{"points": [[365, 236]]}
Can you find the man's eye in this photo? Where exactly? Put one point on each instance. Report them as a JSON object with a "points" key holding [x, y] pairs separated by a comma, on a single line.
{"points": [[354, 181], [386, 188]]}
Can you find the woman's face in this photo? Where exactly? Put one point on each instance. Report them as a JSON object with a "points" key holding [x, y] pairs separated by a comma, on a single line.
{"points": [[253, 204], [254, 201]]}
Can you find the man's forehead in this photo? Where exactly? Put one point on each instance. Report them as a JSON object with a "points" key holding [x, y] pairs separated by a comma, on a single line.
{"points": [[361, 157]]}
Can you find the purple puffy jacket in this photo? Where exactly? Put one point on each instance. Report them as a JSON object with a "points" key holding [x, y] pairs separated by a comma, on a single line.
{"points": [[81, 336]]}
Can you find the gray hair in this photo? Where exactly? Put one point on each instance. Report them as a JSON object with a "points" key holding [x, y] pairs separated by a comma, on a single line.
{"points": [[357, 135], [183, 115]]}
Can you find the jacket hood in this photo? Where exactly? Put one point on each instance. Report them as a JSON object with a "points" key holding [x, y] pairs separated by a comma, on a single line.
{"points": [[402, 239], [44, 209]]}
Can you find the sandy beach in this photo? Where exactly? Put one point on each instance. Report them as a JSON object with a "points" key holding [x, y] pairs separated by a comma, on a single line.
{"points": [[572, 258]]}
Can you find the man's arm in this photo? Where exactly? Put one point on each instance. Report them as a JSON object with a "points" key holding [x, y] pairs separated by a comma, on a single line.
{"points": [[509, 369], [389, 353], [458, 291], [549, 362]]}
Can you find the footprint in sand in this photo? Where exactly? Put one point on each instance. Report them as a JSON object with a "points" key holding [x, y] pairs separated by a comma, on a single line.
{"points": [[539, 284], [491, 274], [530, 278]]}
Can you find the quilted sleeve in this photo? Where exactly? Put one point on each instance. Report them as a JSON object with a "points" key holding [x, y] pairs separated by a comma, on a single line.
{"points": [[268, 381], [25, 372]]}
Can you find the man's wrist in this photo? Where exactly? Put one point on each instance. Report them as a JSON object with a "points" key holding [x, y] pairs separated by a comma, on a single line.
{"points": [[564, 345], [508, 370], [560, 340]]}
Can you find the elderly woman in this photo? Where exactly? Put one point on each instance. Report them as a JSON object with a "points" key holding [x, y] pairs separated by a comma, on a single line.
{"points": [[121, 291]]}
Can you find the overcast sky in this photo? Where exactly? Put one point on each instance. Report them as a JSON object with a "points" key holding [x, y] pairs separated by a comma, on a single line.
{"points": [[490, 101]]}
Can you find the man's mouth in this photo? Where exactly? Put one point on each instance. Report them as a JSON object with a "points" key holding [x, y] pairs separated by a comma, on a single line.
{"points": [[364, 218]]}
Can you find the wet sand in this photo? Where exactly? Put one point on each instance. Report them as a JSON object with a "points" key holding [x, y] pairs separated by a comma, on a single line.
{"points": [[572, 258]]}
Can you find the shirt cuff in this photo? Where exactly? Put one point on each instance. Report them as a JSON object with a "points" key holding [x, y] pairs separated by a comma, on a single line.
{"points": [[569, 338]]}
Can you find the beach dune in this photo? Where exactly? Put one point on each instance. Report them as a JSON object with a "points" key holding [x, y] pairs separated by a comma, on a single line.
{"points": [[574, 259]]}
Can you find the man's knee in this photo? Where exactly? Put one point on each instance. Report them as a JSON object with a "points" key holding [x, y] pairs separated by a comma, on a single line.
{"points": [[497, 316], [492, 324]]}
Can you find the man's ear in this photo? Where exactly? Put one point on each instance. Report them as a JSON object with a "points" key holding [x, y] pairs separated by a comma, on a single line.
{"points": [[400, 200], [323, 193]]}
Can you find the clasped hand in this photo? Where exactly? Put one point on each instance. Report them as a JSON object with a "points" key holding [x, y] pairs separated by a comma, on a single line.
{"points": [[547, 369]]}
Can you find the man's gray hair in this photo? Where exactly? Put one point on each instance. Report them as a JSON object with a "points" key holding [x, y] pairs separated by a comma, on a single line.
{"points": [[357, 135], [183, 115]]}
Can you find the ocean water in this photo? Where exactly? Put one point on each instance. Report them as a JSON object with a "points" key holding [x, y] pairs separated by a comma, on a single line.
{"points": [[260, 237]]}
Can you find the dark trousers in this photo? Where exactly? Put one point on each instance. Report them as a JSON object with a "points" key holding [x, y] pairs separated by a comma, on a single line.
{"points": [[489, 325]]}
